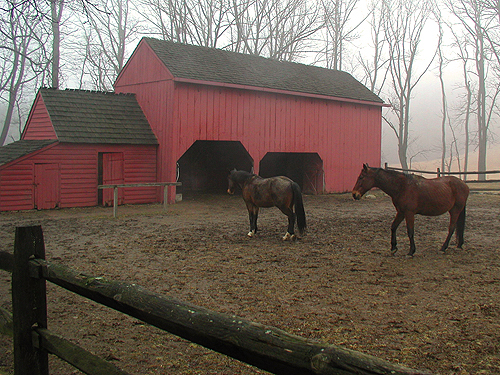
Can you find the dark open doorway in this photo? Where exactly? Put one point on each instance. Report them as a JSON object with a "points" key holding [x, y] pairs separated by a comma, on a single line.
{"points": [[305, 168], [204, 167]]}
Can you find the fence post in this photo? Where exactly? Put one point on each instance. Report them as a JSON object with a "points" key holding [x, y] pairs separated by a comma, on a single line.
{"points": [[115, 200], [438, 172], [29, 303]]}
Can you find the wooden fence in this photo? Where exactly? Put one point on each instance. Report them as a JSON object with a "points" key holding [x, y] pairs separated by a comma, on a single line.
{"points": [[265, 347], [475, 185], [116, 186]]}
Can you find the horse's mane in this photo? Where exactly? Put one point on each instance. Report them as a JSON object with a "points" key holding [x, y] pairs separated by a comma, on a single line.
{"points": [[409, 176], [240, 176]]}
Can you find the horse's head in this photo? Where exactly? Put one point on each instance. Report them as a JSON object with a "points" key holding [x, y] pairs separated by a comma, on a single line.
{"points": [[366, 180], [231, 181]]}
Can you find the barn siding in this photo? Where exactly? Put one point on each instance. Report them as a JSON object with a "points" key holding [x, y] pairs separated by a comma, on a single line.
{"points": [[78, 175], [345, 135], [156, 100], [39, 125]]}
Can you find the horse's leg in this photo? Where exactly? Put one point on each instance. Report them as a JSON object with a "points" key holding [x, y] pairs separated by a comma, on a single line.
{"points": [[255, 216], [460, 228], [252, 217], [290, 234], [394, 226], [454, 214], [410, 229]]}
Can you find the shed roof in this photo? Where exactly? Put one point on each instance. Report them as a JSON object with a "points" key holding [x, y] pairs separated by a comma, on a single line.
{"points": [[80, 116], [18, 149], [216, 65]]}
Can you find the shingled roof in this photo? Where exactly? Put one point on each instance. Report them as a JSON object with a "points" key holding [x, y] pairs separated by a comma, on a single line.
{"points": [[80, 116], [216, 65], [18, 149]]}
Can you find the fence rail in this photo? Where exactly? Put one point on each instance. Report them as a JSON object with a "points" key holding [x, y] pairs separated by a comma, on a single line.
{"points": [[479, 183], [147, 184], [265, 347]]}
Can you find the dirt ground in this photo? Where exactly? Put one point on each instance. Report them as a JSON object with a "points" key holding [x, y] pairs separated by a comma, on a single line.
{"points": [[338, 284]]}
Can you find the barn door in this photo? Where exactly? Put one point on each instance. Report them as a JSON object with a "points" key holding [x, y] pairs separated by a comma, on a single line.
{"points": [[112, 173], [46, 186]]}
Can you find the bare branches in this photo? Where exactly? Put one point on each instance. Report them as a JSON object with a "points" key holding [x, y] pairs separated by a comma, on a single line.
{"points": [[403, 34]]}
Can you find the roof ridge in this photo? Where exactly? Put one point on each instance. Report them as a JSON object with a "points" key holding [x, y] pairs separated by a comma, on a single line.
{"points": [[89, 91]]}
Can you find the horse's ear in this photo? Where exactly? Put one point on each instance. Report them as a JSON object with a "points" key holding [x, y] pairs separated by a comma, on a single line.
{"points": [[365, 166]]}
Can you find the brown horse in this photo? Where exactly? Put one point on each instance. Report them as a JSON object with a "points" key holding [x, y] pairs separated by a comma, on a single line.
{"points": [[278, 192], [413, 195]]}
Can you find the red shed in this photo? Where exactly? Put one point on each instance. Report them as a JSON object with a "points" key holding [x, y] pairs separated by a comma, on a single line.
{"points": [[73, 141], [214, 110]]}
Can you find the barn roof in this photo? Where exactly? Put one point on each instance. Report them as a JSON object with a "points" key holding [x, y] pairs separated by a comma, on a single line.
{"points": [[18, 149], [80, 116], [216, 65]]}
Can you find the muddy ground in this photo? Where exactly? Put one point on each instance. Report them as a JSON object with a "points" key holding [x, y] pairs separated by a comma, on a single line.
{"points": [[338, 284]]}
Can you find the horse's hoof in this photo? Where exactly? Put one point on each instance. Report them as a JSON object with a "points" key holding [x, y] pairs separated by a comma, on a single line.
{"points": [[294, 237], [251, 233], [409, 256], [287, 236]]}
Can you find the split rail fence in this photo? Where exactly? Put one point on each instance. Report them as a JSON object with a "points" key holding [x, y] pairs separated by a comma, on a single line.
{"points": [[264, 347], [474, 185]]}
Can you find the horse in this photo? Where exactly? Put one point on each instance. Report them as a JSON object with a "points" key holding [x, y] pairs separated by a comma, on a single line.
{"points": [[278, 191], [412, 195]]}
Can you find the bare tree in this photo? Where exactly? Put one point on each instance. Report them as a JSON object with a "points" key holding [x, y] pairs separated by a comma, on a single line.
{"points": [[56, 11], [444, 104], [375, 69], [337, 15], [403, 32], [472, 16], [273, 28], [188, 21], [208, 21], [108, 29], [24, 58]]}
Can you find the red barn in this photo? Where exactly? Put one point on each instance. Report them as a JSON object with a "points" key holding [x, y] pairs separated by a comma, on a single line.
{"points": [[74, 141], [189, 113], [214, 110]]}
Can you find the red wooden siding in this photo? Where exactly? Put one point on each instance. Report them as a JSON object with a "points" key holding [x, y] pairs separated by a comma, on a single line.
{"points": [[39, 125], [78, 172], [112, 173], [345, 135], [146, 68]]}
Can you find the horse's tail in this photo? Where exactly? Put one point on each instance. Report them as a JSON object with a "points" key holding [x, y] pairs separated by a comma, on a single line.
{"points": [[299, 208], [461, 228]]}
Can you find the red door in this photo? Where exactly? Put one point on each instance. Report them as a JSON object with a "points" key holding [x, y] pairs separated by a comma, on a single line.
{"points": [[112, 173], [46, 186]]}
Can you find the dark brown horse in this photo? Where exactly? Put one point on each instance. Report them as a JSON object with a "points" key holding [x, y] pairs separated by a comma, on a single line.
{"points": [[413, 195], [278, 192]]}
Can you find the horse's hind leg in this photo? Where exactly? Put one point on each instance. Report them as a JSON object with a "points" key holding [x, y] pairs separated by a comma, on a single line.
{"points": [[394, 226], [410, 228], [454, 214], [290, 234], [460, 228], [253, 213]]}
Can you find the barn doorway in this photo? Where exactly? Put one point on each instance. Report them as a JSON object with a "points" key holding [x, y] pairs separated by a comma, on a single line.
{"points": [[204, 167], [305, 168]]}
